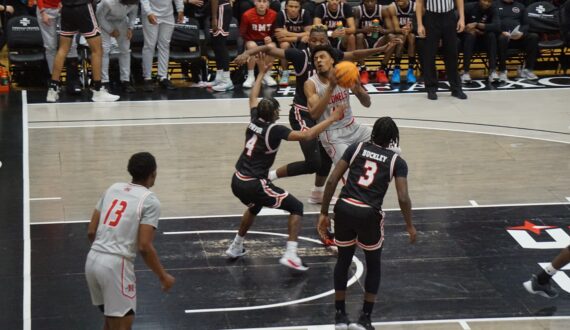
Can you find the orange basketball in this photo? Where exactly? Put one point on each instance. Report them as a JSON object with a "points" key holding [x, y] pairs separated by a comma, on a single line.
{"points": [[346, 74]]}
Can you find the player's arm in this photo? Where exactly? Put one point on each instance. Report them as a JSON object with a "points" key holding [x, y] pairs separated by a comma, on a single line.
{"points": [[93, 224], [150, 257], [361, 54], [361, 94], [271, 51], [405, 202], [420, 18], [317, 104], [256, 89], [314, 131], [351, 29]]}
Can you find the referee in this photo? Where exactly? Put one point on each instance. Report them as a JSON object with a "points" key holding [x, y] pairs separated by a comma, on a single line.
{"points": [[440, 23]]}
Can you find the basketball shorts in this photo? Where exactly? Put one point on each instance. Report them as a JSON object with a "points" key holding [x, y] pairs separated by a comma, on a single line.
{"points": [[370, 42], [111, 281], [300, 119], [79, 19], [336, 141], [357, 223], [224, 19]]}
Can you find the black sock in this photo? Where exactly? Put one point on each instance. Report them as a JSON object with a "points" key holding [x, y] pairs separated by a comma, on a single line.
{"points": [[54, 83], [412, 62], [398, 60], [367, 307], [382, 66], [97, 85], [339, 305], [543, 278]]}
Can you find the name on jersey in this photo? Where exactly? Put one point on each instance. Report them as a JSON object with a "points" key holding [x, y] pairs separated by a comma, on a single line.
{"points": [[338, 97], [255, 128], [261, 27], [373, 155]]}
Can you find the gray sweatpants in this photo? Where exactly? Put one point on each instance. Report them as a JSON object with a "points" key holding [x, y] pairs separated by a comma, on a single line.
{"points": [[157, 36], [51, 37], [124, 49]]}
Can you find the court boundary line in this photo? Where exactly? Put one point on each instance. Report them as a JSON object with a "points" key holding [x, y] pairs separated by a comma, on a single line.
{"points": [[27, 313]]}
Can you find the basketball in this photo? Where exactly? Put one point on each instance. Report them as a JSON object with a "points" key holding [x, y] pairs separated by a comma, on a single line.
{"points": [[346, 74]]}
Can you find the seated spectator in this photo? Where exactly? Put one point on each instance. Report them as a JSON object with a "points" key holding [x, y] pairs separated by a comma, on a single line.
{"points": [[515, 34], [117, 19], [406, 11], [292, 30], [374, 23], [256, 29], [338, 18], [241, 6], [481, 24]]}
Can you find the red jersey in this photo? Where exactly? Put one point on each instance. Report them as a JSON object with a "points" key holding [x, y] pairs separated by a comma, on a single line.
{"points": [[254, 27]]}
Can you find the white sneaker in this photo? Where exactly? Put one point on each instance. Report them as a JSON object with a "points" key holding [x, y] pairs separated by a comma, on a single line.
{"points": [[527, 74], [466, 78], [224, 86], [103, 96], [268, 80], [201, 84], [284, 81], [52, 95], [316, 197], [503, 76], [216, 81], [235, 251], [293, 261], [493, 76], [248, 83]]}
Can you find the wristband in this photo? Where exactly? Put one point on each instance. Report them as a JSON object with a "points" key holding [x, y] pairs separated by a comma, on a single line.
{"points": [[329, 34]]}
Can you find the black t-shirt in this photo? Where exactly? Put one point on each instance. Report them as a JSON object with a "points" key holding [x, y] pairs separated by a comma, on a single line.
{"points": [[262, 140], [490, 17], [330, 19], [303, 64], [366, 18], [296, 25], [371, 169], [511, 15]]}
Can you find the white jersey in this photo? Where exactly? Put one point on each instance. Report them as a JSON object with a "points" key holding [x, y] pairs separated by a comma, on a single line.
{"points": [[339, 96], [123, 207]]}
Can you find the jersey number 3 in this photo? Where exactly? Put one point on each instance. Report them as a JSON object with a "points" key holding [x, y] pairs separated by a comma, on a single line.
{"points": [[370, 170], [118, 213]]}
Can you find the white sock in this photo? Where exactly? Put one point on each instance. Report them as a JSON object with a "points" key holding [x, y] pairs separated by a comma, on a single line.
{"points": [[219, 74], [292, 247], [250, 74], [238, 239], [550, 270], [272, 175], [226, 76], [319, 189]]}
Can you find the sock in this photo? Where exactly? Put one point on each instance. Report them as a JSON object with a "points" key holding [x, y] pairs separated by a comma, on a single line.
{"points": [[219, 74], [272, 175], [367, 307], [97, 85], [54, 83], [398, 60], [363, 68], [339, 305], [251, 74], [319, 189], [292, 247], [226, 76], [382, 66], [544, 276], [411, 61], [238, 239]]}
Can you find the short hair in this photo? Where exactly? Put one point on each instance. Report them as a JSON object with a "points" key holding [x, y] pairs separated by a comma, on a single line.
{"points": [[267, 109], [323, 48], [318, 28], [141, 166], [299, 1], [385, 132]]}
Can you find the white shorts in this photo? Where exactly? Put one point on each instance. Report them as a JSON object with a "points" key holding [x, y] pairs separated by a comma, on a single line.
{"points": [[336, 141], [111, 281]]}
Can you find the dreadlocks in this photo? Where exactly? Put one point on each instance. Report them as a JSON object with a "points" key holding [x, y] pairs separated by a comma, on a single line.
{"points": [[385, 133]]}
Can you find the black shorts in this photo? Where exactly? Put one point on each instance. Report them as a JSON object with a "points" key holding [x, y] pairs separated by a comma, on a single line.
{"points": [[258, 193], [79, 19], [372, 42], [224, 20], [300, 119], [358, 223]]}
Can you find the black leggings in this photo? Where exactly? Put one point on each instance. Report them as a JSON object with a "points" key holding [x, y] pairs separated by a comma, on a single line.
{"points": [[344, 259], [221, 53], [316, 160]]}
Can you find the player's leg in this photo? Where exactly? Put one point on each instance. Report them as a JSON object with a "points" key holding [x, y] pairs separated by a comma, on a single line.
{"points": [[248, 83], [247, 190], [295, 209], [54, 84], [381, 74], [349, 43], [220, 47], [120, 323], [165, 31], [125, 59], [284, 80], [267, 79], [411, 45], [362, 43], [540, 282], [150, 36], [398, 59]]}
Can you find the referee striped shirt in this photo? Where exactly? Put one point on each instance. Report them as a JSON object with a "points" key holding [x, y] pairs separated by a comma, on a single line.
{"points": [[439, 6]]}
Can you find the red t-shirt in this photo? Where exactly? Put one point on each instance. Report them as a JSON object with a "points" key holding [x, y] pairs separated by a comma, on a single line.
{"points": [[48, 4], [254, 27]]}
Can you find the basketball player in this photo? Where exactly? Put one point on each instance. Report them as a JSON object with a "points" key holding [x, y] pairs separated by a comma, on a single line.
{"points": [[250, 184], [316, 159], [540, 282], [220, 17], [406, 10], [77, 16], [124, 221], [332, 13], [359, 220]]}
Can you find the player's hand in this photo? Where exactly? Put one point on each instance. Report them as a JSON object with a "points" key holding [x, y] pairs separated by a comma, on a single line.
{"points": [[214, 24], [421, 31], [412, 232], [241, 59], [166, 282], [46, 19], [152, 19], [460, 25], [323, 230], [267, 40], [261, 61], [338, 111], [129, 34], [180, 18], [115, 33], [305, 39], [281, 33]]}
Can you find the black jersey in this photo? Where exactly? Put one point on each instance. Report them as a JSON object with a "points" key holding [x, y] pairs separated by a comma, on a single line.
{"points": [[262, 140], [301, 60], [330, 19], [406, 15], [296, 25], [371, 169], [366, 18]]}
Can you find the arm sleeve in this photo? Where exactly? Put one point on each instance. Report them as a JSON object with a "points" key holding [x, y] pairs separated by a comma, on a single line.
{"points": [[349, 152], [400, 168], [280, 21], [102, 11], [495, 24], [150, 211], [297, 57]]}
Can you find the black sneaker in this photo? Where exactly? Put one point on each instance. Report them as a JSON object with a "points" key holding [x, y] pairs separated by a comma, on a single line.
{"points": [[127, 87], [167, 84], [364, 323], [545, 290], [148, 85], [341, 321]]}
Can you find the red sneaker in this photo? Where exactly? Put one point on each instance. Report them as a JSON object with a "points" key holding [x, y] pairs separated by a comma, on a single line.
{"points": [[364, 79], [381, 77]]}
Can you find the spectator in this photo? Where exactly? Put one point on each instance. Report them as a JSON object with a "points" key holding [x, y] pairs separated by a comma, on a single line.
{"points": [[221, 16], [241, 6], [338, 18], [406, 11]]}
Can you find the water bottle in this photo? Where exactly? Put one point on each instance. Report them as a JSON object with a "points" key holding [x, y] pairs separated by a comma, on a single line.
{"points": [[4, 81], [375, 23], [339, 26]]}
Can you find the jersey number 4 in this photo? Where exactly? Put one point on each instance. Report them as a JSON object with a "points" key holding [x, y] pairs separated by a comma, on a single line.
{"points": [[118, 213], [250, 145], [370, 168]]}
